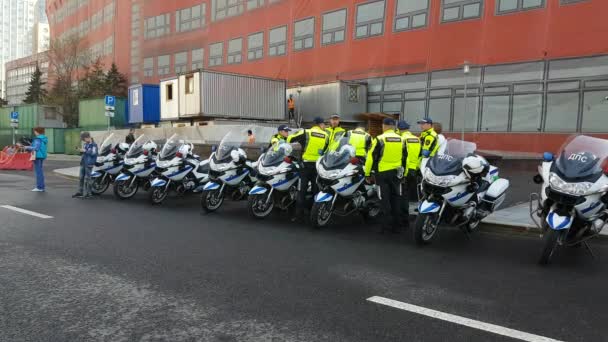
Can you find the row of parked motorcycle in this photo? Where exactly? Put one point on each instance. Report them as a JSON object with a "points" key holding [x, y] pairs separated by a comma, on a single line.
{"points": [[458, 188]]}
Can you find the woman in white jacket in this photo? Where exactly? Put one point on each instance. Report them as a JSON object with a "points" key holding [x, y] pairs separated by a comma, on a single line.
{"points": [[441, 140]]}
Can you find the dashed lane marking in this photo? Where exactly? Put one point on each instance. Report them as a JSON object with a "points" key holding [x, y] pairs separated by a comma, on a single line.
{"points": [[26, 212]]}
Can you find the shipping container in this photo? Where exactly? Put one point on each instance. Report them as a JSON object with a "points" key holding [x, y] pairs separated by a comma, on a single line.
{"points": [[144, 103], [345, 98], [72, 140], [91, 114], [189, 94], [169, 103], [33, 115], [56, 142], [226, 95]]}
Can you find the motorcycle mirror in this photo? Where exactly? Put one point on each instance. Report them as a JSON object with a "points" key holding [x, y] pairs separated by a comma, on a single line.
{"points": [[213, 148], [538, 179], [548, 156]]}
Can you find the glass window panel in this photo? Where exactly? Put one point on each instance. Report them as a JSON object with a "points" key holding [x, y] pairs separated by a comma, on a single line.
{"points": [[361, 31], [197, 55], [402, 23], [373, 98], [532, 3], [414, 110], [450, 13], [439, 111], [272, 51], [495, 114], [562, 86], [339, 36], [278, 35], [456, 77], [256, 40], [415, 95], [181, 58], [518, 88], [327, 38], [375, 29], [406, 6], [370, 11], [562, 112], [469, 120], [473, 91], [235, 45], [471, 11], [441, 92], [596, 84], [496, 89], [391, 107], [281, 49], [373, 107], [579, 67], [417, 81], [374, 85], [216, 49], [308, 42], [297, 44], [304, 27], [527, 110], [507, 5], [419, 20], [393, 97], [334, 20], [595, 108], [514, 72]]}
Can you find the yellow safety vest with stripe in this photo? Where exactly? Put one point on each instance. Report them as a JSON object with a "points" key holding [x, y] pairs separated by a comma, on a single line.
{"points": [[429, 142], [314, 142], [414, 151], [386, 154], [277, 138], [360, 140], [335, 132]]}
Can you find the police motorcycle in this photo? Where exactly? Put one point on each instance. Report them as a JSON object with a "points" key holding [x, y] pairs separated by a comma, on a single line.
{"points": [[458, 188], [229, 173], [342, 187], [178, 169], [572, 205], [139, 164], [278, 181], [108, 164]]}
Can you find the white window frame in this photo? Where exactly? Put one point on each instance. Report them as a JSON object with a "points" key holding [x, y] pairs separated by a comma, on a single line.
{"points": [[149, 71], [239, 5], [335, 30], [258, 4], [570, 2], [191, 23], [216, 60], [197, 63], [368, 24], [520, 7], [277, 45], [461, 5], [304, 37], [410, 16], [164, 69], [157, 31], [235, 57], [258, 51], [180, 67]]}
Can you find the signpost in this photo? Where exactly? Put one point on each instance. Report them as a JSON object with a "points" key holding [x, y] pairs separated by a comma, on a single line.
{"points": [[110, 106], [14, 123]]}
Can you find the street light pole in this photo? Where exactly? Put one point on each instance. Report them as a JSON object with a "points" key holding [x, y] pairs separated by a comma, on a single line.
{"points": [[298, 118], [466, 68]]}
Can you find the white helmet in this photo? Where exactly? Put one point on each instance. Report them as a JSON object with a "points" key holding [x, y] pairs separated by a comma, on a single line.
{"points": [[474, 164], [150, 146], [123, 147]]}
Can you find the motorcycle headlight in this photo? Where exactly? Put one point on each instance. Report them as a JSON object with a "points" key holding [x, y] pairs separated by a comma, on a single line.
{"points": [[576, 189], [444, 181], [328, 174]]}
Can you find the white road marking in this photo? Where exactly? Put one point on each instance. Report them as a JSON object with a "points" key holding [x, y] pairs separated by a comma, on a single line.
{"points": [[27, 212], [496, 329]]}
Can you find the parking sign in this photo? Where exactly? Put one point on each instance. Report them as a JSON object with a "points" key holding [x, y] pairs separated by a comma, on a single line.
{"points": [[14, 116], [110, 100]]}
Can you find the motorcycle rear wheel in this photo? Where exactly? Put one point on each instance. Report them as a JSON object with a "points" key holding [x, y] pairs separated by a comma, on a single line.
{"points": [[212, 200], [100, 185], [550, 240], [123, 191], [425, 229], [320, 214], [157, 195], [257, 208]]}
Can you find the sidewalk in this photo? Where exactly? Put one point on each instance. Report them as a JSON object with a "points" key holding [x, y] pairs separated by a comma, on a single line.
{"points": [[62, 157], [69, 172]]}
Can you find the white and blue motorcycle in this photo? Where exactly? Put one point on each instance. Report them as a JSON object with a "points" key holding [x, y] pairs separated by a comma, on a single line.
{"points": [[108, 164], [139, 165], [177, 169], [278, 182], [571, 207], [229, 173], [459, 188], [342, 187]]}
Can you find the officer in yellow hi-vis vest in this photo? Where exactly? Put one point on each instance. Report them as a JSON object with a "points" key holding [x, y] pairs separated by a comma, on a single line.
{"points": [[413, 158], [282, 134], [314, 142], [361, 141], [428, 138], [387, 158], [335, 130]]}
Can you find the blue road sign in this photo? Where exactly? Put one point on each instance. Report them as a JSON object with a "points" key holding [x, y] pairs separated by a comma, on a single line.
{"points": [[14, 115], [110, 100]]}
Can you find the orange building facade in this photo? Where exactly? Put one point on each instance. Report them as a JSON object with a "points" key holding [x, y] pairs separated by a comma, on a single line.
{"points": [[538, 68]]}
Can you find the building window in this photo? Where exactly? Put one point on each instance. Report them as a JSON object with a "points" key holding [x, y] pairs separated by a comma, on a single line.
{"points": [[149, 67], [253, 4], [495, 111], [158, 26], [562, 112], [216, 54], [235, 51], [255, 46], [440, 111], [108, 12], [455, 10], [190, 84], [303, 34], [467, 118], [189, 19], [181, 62], [198, 56], [370, 19], [164, 65], [277, 41], [527, 111], [228, 8], [594, 112], [169, 91], [567, 2], [510, 6], [334, 27], [411, 14]]}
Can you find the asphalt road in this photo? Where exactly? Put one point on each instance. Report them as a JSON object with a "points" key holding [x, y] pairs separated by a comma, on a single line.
{"points": [[105, 270]]}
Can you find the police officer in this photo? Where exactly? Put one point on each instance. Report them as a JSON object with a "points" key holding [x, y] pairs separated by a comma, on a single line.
{"points": [[360, 140], [281, 136], [314, 142], [387, 157], [428, 138], [335, 130], [413, 158]]}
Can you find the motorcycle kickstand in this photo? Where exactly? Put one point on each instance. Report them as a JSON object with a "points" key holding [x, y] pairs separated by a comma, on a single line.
{"points": [[588, 248]]}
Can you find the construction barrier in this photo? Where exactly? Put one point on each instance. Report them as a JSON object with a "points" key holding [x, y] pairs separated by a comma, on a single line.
{"points": [[15, 160]]}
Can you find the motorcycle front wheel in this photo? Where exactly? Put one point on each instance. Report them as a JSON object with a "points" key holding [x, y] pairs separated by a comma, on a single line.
{"points": [[257, 206], [157, 195], [100, 185], [212, 200], [425, 229], [320, 214], [123, 191], [550, 241]]}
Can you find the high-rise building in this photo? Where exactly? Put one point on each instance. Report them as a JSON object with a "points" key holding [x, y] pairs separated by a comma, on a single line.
{"points": [[19, 74], [41, 11], [16, 23], [40, 37]]}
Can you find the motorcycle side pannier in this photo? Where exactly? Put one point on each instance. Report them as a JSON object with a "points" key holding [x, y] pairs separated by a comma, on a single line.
{"points": [[495, 195]]}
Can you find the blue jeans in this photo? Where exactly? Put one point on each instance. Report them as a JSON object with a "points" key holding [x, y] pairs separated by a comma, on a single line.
{"points": [[39, 173], [85, 180]]}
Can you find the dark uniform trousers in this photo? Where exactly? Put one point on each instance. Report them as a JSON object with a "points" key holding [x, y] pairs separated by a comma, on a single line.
{"points": [[390, 190], [410, 193], [308, 174]]}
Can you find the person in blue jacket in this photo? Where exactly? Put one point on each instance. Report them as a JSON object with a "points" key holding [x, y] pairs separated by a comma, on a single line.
{"points": [[39, 148], [87, 162]]}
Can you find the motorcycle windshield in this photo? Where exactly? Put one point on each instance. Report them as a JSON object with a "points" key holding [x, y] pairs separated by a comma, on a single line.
{"points": [[339, 157], [137, 148], [172, 146], [450, 163], [276, 154], [231, 142], [108, 144], [581, 159]]}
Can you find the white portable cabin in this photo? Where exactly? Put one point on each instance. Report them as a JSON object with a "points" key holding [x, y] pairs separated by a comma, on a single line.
{"points": [[189, 94], [169, 99]]}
